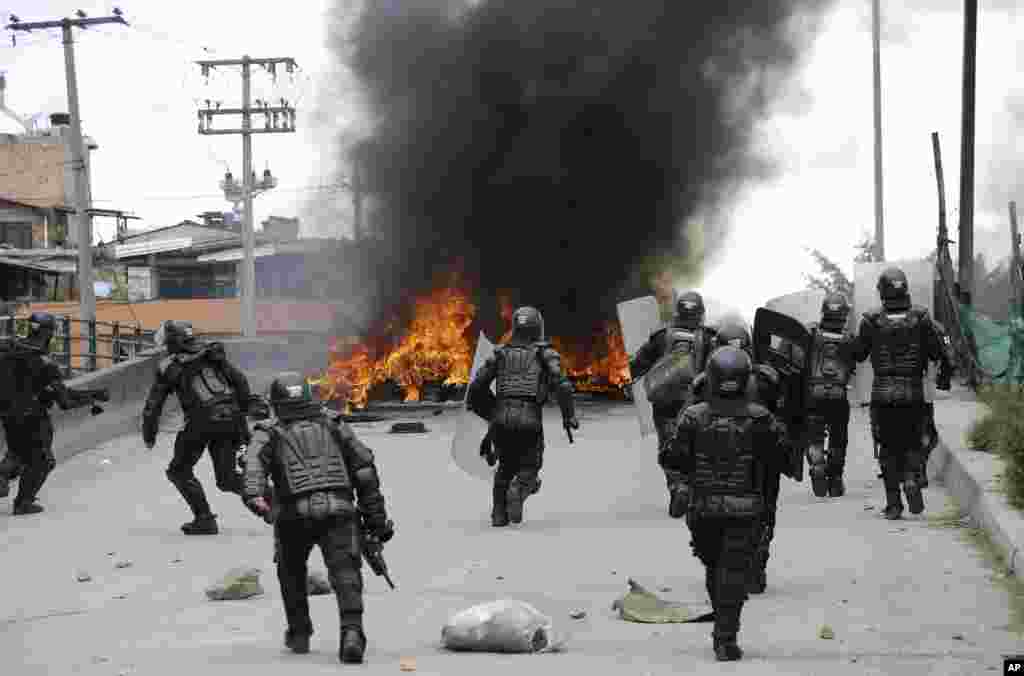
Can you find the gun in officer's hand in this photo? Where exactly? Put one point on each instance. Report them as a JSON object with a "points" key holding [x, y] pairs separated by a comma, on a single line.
{"points": [[570, 424], [373, 550], [77, 398]]}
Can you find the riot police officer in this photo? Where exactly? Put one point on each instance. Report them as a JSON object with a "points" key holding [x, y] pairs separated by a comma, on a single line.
{"points": [[764, 389], [722, 448], [214, 396], [688, 337], [30, 383], [831, 366], [900, 338], [328, 492], [525, 370]]}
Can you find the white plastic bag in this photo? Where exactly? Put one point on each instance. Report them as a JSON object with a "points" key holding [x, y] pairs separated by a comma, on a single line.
{"points": [[500, 627]]}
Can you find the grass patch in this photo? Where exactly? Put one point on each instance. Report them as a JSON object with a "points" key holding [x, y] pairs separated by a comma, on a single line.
{"points": [[955, 517], [1001, 431]]}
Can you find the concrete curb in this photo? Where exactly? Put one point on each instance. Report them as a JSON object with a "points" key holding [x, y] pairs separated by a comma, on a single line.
{"points": [[972, 477]]}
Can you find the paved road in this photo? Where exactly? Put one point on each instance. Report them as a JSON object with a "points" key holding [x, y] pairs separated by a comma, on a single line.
{"points": [[904, 598]]}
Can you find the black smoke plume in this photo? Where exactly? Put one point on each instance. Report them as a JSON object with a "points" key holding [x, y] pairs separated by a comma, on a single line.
{"points": [[559, 148]]}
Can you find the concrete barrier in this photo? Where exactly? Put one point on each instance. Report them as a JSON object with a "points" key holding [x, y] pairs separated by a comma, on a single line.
{"points": [[129, 382]]}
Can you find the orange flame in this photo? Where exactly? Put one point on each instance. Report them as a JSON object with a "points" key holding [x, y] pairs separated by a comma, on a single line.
{"points": [[438, 347]]}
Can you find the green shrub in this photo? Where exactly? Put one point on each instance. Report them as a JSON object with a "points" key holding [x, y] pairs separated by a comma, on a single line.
{"points": [[983, 434], [1011, 448]]}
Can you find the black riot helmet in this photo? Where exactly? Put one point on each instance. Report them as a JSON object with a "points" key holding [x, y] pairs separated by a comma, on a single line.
{"points": [[292, 397], [835, 309], [527, 324], [728, 372], [893, 286], [735, 333], [41, 328], [174, 335], [689, 313]]}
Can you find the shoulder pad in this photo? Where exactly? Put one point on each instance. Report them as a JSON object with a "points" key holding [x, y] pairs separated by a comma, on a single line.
{"points": [[874, 313], [767, 371], [165, 364], [696, 410], [658, 334], [758, 411], [542, 344], [919, 310]]}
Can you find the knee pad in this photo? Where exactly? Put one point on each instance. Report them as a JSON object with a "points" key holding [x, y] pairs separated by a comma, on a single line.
{"points": [[528, 481]]}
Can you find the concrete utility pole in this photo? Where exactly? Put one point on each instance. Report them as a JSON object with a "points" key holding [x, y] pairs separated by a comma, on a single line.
{"points": [[279, 119], [87, 298], [966, 254], [876, 39]]}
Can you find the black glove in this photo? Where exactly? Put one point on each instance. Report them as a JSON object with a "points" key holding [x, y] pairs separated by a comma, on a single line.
{"points": [[571, 423], [943, 381], [102, 395], [487, 450], [383, 533]]}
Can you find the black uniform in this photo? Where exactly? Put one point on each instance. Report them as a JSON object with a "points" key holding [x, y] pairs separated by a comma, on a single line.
{"points": [[828, 407], [901, 339], [723, 448], [214, 396], [764, 389], [327, 491], [524, 371], [687, 335], [30, 383]]}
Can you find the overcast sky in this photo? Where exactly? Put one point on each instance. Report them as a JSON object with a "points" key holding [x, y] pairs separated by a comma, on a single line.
{"points": [[139, 91]]}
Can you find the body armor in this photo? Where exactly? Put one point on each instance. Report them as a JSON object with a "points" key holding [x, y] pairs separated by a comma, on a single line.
{"points": [[831, 364], [684, 353], [310, 460], [899, 355], [726, 478], [199, 384], [25, 373], [521, 373]]}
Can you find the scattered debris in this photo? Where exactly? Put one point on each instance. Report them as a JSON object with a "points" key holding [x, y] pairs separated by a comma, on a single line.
{"points": [[578, 614], [100, 660], [177, 559], [415, 427], [123, 563], [439, 411], [640, 605], [121, 596], [500, 577], [83, 576], [958, 637], [868, 508], [664, 589], [237, 584], [845, 601], [317, 584], [407, 664], [826, 632], [500, 627], [105, 461]]}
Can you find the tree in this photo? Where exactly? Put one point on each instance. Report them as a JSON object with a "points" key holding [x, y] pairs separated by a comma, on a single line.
{"points": [[832, 279]]}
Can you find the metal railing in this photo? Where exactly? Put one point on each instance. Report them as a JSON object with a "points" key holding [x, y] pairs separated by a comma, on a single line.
{"points": [[124, 341]]}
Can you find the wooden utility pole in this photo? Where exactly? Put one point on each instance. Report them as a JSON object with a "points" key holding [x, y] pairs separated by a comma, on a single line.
{"points": [[966, 255], [87, 297], [876, 38], [279, 119]]}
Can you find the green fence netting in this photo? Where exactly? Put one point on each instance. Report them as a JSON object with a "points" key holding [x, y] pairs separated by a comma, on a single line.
{"points": [[1000, 344]]}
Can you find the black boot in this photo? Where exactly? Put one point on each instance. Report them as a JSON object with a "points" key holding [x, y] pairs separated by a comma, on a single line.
{"points": [[819, 481], [677, 502], [727, 626], [894, 505], [296, 642], [757, 580], [499, 515], [205, 524], [353, 645], [836, 488], [518, 491], [915, 500], [23, 508], [5, 487]]}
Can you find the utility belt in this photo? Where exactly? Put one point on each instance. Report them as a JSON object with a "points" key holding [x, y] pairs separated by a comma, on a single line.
{"points": [[521, 399], [717, 505], [318, 504]]}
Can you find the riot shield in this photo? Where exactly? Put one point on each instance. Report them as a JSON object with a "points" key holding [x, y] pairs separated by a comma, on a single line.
{"points": [[638, 319], [470, 428], [784, 343]]}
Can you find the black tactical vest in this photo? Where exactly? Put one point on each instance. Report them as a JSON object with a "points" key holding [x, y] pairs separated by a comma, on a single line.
{"points": [[200, 385], [669, 381], [727, 474], [521, 373], [830, 364], [899, 348], [310, 459], [23, 377]]}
